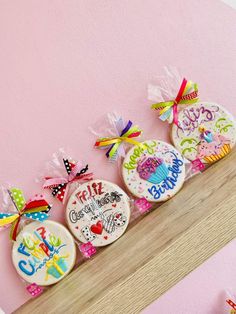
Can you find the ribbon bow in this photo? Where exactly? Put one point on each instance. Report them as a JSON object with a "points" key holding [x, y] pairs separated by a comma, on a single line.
{"points": [[113, 143], [59, 186], [35, 209], [187, 94]]}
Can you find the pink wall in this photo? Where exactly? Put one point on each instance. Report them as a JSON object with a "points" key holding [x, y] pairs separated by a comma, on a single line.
{"points": [[63, 63]]}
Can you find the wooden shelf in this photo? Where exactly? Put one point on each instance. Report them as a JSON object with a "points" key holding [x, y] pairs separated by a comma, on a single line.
{"points": [[154, 254]]}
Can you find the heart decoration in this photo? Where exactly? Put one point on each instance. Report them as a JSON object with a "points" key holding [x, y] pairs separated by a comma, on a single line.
{"points": [[118, 216], [105, 237], [97, 228], [74, 203], [113, 205]]}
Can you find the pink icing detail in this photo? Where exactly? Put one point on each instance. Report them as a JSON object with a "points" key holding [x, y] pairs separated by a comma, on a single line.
{"points": [[147, 166], [142, 204], [197, 165], [213, 148], [87, 249], [34, 290]]}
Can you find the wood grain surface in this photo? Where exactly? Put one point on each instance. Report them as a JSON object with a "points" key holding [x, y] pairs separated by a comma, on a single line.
{"points": [[155, 253]]}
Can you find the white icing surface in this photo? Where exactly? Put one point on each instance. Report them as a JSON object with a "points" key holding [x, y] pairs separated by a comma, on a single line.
{"points": [[210, 116], [46, 263], [99, 212]]}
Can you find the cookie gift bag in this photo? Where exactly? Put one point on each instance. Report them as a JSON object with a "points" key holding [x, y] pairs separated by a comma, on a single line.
{"points": [[204, 132], [43, 251], [64, 174], [152, 170], [97, 212]]}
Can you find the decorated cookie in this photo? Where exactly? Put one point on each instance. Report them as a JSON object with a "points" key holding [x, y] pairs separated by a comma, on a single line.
{"points": [[98, 212], [155, 171], [205, 131], [44, 253]]}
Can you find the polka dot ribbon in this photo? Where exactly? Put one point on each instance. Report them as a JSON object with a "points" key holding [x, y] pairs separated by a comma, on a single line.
{"points": [[36, 209], [75, 172], [113, 143], [187, 94], [232, 304]]}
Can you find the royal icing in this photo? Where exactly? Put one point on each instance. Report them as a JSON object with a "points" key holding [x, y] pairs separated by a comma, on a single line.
{"points": [[155, 171], [44, 253], [98, 212], [205, 131]]}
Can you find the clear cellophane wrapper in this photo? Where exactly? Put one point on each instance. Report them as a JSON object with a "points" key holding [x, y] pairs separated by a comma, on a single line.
{"points": [[163, 88], [111, 125], [107, 127], [57, 168], [8, 207], [11, 206]]}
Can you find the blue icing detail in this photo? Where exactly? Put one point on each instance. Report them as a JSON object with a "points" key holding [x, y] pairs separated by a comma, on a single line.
{"points": [[22, 267], [21, 249], [62, 264], [169, 182], [159, 175], [56, 251], [4, 215]]}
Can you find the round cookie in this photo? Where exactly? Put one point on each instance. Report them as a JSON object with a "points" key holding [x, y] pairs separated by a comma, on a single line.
{"points": [[44, 252], [206, 131], [156, 173], [98, 212]]}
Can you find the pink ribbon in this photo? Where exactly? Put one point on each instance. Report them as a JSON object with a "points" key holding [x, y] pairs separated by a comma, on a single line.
{"points": [[52, 183]]}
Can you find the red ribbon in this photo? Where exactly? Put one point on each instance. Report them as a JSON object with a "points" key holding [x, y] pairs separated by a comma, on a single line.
{"points": [[177, 101], [60, 185]]}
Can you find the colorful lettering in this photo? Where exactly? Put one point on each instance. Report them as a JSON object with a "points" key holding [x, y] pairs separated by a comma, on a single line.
{"points": [[138, 151], [38, 250], [22, 267], [170, 182]]}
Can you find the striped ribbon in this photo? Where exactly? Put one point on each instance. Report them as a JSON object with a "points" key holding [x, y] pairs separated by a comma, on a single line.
{"points": [[35, 209], [60, 185], [187, 94], [113, 143]]}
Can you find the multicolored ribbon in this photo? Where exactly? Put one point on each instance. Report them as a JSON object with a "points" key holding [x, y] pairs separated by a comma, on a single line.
{"points": [[35, 209], [59, 186], [188, 94], [113, 143]]}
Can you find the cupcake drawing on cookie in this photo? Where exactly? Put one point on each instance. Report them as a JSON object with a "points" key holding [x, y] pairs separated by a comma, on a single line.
{"points": [[212, 147], [152, 169]]}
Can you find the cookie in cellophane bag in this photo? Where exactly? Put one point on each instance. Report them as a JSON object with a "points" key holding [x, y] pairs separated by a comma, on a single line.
{"points": [[152, 170], [207, 131], [155, 171], [98, 212], [43, 251], [204, 132]]}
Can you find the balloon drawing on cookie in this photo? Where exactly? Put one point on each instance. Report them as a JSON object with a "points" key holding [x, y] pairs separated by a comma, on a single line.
{"points": [[154, 170], [98, 212], [44, 253], [205, 131]]}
